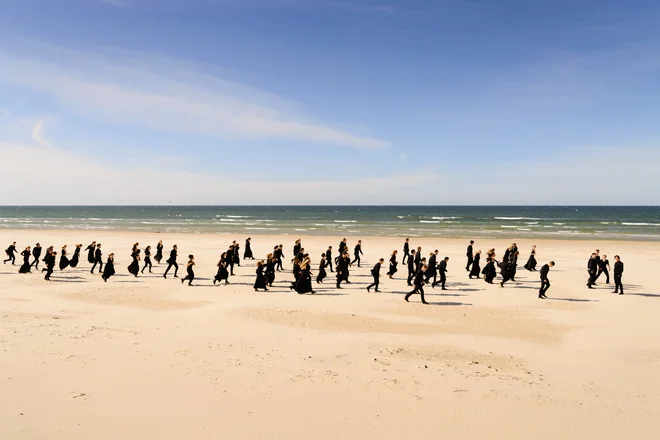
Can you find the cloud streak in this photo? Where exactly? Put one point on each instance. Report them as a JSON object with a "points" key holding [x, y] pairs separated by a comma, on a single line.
{"points": [[124, 91], [39, 136]]}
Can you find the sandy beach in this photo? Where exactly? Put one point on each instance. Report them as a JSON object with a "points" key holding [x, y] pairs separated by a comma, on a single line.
{"points": [[150, 358]]}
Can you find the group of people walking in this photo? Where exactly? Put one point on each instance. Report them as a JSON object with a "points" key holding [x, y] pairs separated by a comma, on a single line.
{"points": [[421, 270]]}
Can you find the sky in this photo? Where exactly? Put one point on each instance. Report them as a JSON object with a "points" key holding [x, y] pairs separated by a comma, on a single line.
{"points": [[421, 102]]}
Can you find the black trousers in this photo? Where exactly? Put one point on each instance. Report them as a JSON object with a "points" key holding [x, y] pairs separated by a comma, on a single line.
{"points": [[592, 278], [329, 263], [35, 263], [617, 283], [419, 290], [231, 268], [11, 258], [279, 264], [169, 266], [100, 263], [375, 283], [607, 275], [49, 272], [147, 263], [433, 274], [545, 285], [357, 258], [405, 257], [410, 277], [443, 280], [469, 262]]}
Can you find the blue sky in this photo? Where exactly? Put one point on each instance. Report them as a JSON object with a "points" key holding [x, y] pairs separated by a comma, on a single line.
{"points": [[324, 101]]}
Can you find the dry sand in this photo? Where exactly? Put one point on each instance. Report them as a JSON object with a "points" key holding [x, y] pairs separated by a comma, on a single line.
{"points": [[149, 358]]}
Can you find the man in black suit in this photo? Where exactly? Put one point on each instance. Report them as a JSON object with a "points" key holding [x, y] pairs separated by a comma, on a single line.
{"points": [[545, 282], [411, 267], [328, 258], [618, 273], [432, 271], [98, 259], [470, 256], [442, 269], [406, 251], [357, 252], [592, 269], [375, 272], [36, 253], [604, 268], [171, 262], [11, 250], [419, 285]]}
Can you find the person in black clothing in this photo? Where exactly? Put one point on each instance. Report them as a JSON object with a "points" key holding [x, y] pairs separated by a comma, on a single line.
{"points": [[357, 252], [342, 269], [159, 252], [50, 265], [270, 269], [36, 253], [278, 253], [248, 250], [97, 259], [506, 272], [90, 252], [109, 268], [393, 264], [604, 268], [531, 263], [134, 267], [375, 272], [147, 259], [411, 267], [10, 253], [304, 284], [190, 273], [76, 256], [419, 285], [64, 260], [223, 273], [172, 262], [231, 259], [490, 272], [322, 273], [342, 247], [237, 255], [432, 271], [418, 257], [328, 258], [406, 251], [47, 257], [618, 273], [545, 282], [442, 269], [297, 270], [260, 282], [296, 248], [25, 268], [513, 264], [476, 267], [592, 269], [470, 257]]}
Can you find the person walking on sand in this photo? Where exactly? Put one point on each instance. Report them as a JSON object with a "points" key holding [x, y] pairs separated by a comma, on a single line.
{"points": [[375, 272], [475, 271], [109, 269], [50, 265], [470, 257], [411, 267], [147, 259], [406, 251], [442, 269], [260, 282], [545, 282], [25, 268], [328, 258], [10, 251], [159, 252], [190, 273], [592, 269], [357, 252], [393, 264], [432, 271], [618, 273], [90, 252], [36, 253], [247, 254], [171, 262], [604, 268], [97, 259], [419, 285]]}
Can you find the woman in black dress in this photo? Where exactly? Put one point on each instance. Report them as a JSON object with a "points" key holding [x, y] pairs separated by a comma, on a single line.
{"points": [[159, 252], [134, 267], [50, 264], [223, 273], [90, 252], [270, 269], [248, 250], [190, 273], [304, 284], [296, 273], [25, 268], [490, 271], [476, 268], [531, 263], [76, 256], [260, 282], [322, 273], [393, 264], [64, 260], [147, 259], [109, 269]]}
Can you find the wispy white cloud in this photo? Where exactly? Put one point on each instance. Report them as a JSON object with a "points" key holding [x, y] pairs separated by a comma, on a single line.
{"points": [[39, 136], [122, 90]]}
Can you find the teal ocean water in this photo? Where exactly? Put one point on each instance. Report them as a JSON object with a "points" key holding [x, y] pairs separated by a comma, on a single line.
{"points": [[569, 222]]}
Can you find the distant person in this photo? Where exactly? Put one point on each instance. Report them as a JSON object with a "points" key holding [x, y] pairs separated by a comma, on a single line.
{"points": [[247, 255], [271, 262], [231, 259], [592, 269], [64, 260], [171, 262], [432, 271], [604, 268], [419, 285], [134, 267], [109, 268], [475, 271], [406, 251], [531, 262], [618, 273], [442, 270], [98, 254], [159, 252], [223, 273], [470, 257], [91, 249], [357, 252], [490, 271], [304, 284], [393, 264], [10, 251], [328, 258], [76, 256], [36, 253], [147, 259], [411, 267], [50, 265], [375, 272], [190, 272], [322, 273], [26, 267], [545, 282]]}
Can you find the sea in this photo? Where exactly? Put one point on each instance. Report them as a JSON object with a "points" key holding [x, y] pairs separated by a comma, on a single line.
{"points": [[556, 222]]}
